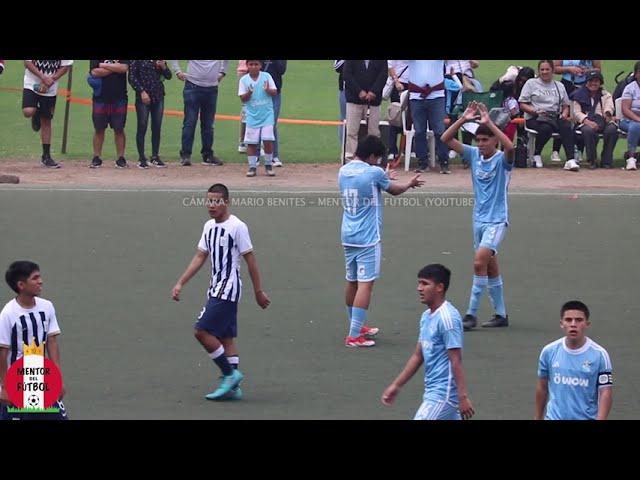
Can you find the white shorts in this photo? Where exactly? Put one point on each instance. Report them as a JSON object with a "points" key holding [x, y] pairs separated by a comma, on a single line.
{"points": [[434, 410], [252, 136]]}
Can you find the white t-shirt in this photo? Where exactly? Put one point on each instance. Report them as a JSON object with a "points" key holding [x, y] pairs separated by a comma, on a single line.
{"points": [[632, 92], [402, 69], [48, 67], [20, 325], [225, 242]]}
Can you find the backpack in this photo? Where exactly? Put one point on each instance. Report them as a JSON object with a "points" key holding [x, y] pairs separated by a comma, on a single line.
{"points": [[520, 160], [620, 85]]}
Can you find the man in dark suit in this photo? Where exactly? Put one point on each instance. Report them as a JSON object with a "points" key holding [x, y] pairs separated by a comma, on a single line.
{"points": [[364, 81]]}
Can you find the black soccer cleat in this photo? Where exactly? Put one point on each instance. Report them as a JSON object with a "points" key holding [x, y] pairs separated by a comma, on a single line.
{"points": [[469, 322], [497, 321]]}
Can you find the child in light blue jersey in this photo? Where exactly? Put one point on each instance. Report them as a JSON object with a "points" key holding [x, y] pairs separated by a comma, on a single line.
{"points": [[490, 173], [575, 375], [440, 349], [361, 183]]}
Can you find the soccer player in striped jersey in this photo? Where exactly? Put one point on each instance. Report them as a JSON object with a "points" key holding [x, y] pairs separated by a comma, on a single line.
{"points": [[575, 379], [440, 349], [24, 319], [490, 174], [361, 182], [225, 239]]}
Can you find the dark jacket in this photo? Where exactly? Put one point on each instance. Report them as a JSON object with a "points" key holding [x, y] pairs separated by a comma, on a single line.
{"points": [[276, 69], [358, 78]]}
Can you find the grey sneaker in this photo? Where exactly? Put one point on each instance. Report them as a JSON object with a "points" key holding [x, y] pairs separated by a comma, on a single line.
{"points": [[269, 170], [497, 321], [185, 160], [96, 162], [143, 163], [121, 163], [251, 172]]}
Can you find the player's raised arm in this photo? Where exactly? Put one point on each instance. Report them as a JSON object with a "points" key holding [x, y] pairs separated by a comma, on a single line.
{"points": [[252, 265], [196, 263], [448, 137], [397, 188]]}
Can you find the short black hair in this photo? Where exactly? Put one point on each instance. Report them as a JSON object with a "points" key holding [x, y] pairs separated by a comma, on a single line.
{"points": [[437, 272], [219, 188], [19, 271], [370, 145], [575, 305], [484, 130]]}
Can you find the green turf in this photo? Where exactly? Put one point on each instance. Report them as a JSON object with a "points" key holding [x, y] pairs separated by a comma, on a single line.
{"points": [[109, 260], [310, 92]]}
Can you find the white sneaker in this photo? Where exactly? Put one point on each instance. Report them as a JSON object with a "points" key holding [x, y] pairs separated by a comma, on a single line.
{"points": [[242, 148], [631, 164], [276, 162], [452, 154], [571, 165], [413, 155], [555, 157], [537, 161], [390, 157]]}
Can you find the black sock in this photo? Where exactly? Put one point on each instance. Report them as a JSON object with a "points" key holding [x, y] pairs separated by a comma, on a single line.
{"points": [[46, 149], [221, 361], [234, 360]]}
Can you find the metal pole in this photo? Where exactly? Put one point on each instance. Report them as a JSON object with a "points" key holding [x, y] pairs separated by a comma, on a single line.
{"points": [[66, 112]]}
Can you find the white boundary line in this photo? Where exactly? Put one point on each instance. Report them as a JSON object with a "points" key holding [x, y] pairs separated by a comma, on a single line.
{"points": [[8, 188]]}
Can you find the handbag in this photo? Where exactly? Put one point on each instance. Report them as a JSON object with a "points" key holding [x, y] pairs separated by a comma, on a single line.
{"points": [[394, 114], [550, 119], [501, 116]]}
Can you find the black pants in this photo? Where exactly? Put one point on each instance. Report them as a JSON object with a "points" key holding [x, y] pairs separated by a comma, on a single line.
{"points": [[589, 139], [545, 131], [156, 109]]}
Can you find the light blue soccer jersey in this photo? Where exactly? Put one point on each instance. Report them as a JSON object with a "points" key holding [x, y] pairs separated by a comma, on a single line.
{"points": [[490, 185], [361, 188], [259, 107], [439, 332], [575, 377]]}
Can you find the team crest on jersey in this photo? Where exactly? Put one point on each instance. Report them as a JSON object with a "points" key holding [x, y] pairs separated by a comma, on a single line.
{"points": [[586, 366]]}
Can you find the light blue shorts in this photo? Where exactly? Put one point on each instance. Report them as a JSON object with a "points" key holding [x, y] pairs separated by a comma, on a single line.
{"points": [[362, 263], [437, 410], [488, 235]]}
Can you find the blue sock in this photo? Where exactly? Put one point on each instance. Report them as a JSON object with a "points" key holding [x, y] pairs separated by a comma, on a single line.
{"points": [[349, 312], [221, 361], [479, 284], [358, 319], [253, 161], [497, 296]]}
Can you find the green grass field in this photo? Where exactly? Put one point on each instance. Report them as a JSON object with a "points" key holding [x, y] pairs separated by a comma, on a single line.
{"points": [[310, 92], [110, 259]]}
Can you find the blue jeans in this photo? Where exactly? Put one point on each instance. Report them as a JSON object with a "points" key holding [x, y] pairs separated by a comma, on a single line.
{"points": [[433, 112], [342, 101], [156, 109], [633, 133], [200, 100]]}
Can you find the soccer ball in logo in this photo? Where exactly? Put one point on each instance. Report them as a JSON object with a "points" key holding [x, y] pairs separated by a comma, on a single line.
{"points": [[33, 401]]}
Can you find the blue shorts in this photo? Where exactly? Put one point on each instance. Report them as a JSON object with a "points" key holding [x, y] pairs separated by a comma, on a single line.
{"points": [[437, 410], [488, 235], [219, 318], [61, 415], [362, 263]]}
